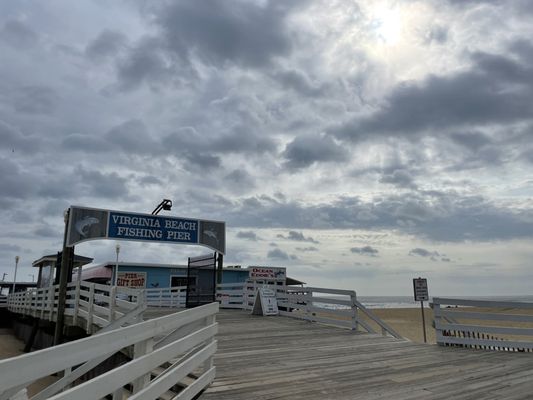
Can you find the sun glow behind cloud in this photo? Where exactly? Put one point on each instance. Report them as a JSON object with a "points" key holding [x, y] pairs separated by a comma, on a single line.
{"points": [[387, 21]]}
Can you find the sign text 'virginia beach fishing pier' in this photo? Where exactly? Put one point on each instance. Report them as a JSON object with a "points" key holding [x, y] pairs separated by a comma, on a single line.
{"points": [[91, 224]]}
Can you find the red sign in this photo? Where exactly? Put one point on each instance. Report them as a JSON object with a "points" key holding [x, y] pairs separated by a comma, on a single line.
{"points": [[267, 273], [131, 279]]}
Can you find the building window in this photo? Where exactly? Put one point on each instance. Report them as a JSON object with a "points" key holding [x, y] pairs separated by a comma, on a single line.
{"points": [[181, 280]]}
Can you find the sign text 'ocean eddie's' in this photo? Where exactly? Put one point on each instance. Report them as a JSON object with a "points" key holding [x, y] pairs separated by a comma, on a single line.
{"points": [[90, 224]]}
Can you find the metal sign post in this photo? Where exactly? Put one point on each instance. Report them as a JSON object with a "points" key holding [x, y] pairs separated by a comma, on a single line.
{"points": [[420, 287]]}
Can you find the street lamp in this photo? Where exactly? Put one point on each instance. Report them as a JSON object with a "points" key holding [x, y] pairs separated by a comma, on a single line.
{"points": [[117, 250], [4, 276], [166, 205], [17, 258]]}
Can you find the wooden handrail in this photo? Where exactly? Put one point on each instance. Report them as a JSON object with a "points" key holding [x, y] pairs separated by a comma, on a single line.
{"points": [[20, 371], [454, 327]]}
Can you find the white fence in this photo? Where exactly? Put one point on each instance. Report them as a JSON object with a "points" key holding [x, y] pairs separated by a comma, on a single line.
{"points": [[488, 325], [231, 295], [327, 306], [90, 305], [3, 301], [174, 352], [173, 297]]}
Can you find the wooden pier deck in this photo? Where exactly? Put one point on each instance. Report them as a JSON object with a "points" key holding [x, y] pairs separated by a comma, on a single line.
{"points": [[284, 358]]}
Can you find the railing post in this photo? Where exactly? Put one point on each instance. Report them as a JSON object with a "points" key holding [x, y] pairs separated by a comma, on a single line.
{"points": [[308, 302], [91, 308], [436, 314], [141, 349], [355, 320], [43, 302], [208, 364], [112, 303], [76, 303], [51, 297]]}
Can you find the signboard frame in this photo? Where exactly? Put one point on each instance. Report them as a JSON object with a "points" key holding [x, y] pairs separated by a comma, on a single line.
{"points": [[420, 289], [98, 224]]}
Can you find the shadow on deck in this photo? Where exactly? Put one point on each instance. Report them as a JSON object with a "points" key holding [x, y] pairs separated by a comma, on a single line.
{"points": [[285, 358]]}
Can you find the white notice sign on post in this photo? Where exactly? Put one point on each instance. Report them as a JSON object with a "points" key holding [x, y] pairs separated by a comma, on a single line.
{"points": [[265, 302], [420, 286]]}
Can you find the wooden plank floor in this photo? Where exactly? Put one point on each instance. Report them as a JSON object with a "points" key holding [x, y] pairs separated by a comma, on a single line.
{"points": [[283, 358]]}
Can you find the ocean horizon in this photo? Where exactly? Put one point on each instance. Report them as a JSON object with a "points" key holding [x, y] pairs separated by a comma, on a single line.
{"points": [[408, 301]]}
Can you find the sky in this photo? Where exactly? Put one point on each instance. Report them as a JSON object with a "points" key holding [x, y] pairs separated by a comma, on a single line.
{"points": [[360, 144]]}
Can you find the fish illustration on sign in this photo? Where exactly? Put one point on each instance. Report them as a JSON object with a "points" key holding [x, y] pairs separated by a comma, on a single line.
{"points": [[83, 226], [212, 234]]}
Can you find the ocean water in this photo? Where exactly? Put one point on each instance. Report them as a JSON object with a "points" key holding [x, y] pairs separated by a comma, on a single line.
{"points": [[408, 301]]}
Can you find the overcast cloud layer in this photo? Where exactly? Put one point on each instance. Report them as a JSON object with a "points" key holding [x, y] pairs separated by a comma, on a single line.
{"points": [[358, 143]]}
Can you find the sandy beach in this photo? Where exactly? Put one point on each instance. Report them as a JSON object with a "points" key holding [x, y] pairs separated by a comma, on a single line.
{"points": [[408, 322], [10, 346]]}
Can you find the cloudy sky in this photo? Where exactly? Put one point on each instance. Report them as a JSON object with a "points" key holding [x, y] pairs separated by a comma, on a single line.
{"points": [[358, 143]]}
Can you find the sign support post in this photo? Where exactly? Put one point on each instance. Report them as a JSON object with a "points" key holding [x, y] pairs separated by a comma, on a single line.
{"points": [[423, 321], [420, 287], [220, 261], [66, 260]]}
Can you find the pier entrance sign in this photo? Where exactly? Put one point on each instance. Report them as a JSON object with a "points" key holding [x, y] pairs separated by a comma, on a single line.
{"points": [[92, 224]]}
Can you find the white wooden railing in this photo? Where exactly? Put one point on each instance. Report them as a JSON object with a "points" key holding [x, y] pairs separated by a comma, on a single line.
{"points": [[3, 301], [172, 352], [173, 297], [328, 306], [489, 325], [331, 306], [230, 295], [90, 305]]}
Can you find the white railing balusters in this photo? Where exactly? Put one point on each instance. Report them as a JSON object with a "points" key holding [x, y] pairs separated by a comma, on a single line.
{"points": [[454, 326], [178, 358]]}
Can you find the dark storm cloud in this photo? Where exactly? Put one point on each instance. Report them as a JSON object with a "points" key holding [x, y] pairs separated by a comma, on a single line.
{"points": [[280, 255], [399, 178], [239, 179], [150, 180], [86, 143], [147, 63], [437, 34], [35, 100], [305, 151], [240, 32], [365, 251], [299, 82], [249, 235], [441, 216], [94, 183], [423, 253], [200, 162], [107, 44], [473, 141], [18, 34], [9, 248], [298, 237], [46, 231], [238, 140], [132, 137], [15, 183], [307, 249], [497, 90], [243, 140], [432, 255], [14, 141]]}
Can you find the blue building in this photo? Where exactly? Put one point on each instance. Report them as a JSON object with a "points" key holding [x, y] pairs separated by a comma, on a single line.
{"points": [[145, 275]]}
